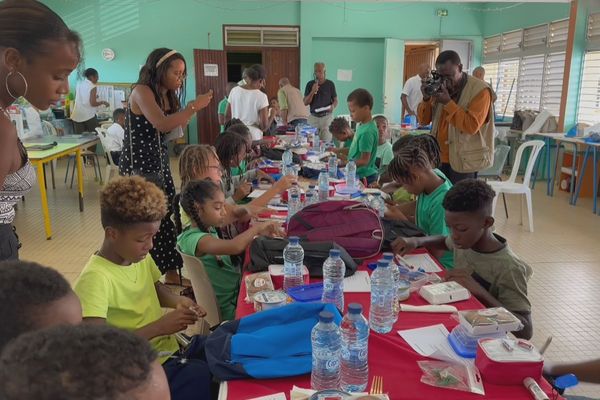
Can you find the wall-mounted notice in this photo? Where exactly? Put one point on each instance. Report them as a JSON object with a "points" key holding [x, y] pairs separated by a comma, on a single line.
{"points": [[211, 70], [344, 75]]}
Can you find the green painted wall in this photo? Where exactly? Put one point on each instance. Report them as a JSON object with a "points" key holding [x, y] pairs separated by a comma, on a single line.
{"points": [[132, 28], [508, 17], [342, 53]]}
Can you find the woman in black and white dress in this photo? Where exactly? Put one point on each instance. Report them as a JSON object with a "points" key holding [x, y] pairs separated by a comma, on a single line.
{"points": [[155, 109]]}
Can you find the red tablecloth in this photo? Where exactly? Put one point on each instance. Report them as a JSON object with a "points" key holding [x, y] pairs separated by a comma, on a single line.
{"points": [[389, 356]]}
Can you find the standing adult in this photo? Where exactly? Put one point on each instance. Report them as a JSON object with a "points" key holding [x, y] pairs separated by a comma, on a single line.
{"points": [[86, 102], [321, 96], [155, 108], [462, 119], [411, 93], [37, 53], [291, 104], [249, 104], [479, 73]]}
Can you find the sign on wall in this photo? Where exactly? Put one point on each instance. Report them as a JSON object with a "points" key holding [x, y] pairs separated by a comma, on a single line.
{"points": [[211, 70]]}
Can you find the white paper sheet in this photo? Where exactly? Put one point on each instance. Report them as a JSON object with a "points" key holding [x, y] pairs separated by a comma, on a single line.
{"points": [[422, 262], [360, 282], [431, 341], [256, 193]]}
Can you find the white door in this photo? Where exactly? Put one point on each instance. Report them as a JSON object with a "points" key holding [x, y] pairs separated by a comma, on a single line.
{"points": [[464, 48], [393, 71]]}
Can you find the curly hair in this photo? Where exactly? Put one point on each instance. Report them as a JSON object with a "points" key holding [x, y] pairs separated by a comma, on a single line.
{"points": [[194, 161], [237, 126], [361, 97], [130, 200], [92, 362], [228, 146], [25, 287], [426, 142], [195, 192], [339, 125], [469, 195], [406, 160]]}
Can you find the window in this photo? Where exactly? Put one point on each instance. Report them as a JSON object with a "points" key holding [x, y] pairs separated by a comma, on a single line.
{"points": [[553, 81], [589, 94], [531, 76], [508, 72], [267, 36], [531, 62]]}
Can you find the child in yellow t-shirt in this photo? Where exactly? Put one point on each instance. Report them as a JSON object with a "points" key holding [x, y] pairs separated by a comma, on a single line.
{"points": [[120, 285]]}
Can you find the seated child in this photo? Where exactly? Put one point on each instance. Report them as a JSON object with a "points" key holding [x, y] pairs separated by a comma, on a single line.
{"points": [[412, 169], [120, 286], [204, 202], [384, 149], [485, 264], [251, 160], [363, 150], [115, 134], [81, 362], [231, 149], [342, 137], [33, 297]]}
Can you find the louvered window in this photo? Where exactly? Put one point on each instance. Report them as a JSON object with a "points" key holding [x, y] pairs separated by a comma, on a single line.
{"points": [[531, 76], [535, 37], [558, 33], [262, 36], [593, 31], [491, 48], [511, 42], [508, 73], [553, 80], [589, 94]]}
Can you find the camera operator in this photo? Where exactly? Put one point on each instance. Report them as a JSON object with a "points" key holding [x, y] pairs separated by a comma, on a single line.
{"points": [[459, 108]]}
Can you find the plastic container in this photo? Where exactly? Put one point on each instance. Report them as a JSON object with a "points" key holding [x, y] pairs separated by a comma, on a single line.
{"points": [[465, 344], [381, 313], [403, 289], [269, 299], [500, 366], [293, 261], [417, 279], [355, 349], [326, 344], [334, 270], [489, 320], [444, 293], [311, 293]]}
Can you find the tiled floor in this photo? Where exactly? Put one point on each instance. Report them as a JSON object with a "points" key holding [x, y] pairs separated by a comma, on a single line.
{"points": [[564, 252]]}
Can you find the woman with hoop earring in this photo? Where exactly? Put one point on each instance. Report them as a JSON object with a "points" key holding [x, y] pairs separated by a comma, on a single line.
{"points": [[37, 53]]}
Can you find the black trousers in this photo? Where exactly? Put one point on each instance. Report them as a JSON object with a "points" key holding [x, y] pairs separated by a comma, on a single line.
{"points": [[9, 243], [456, 176]]}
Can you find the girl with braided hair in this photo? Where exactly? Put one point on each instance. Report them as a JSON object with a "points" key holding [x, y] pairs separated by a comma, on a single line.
{"points": [[204, 202], [412, 168]]}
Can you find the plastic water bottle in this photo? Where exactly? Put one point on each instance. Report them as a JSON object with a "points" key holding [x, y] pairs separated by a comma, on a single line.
{"points": [[381, 316], [310, 199], [322, 147], [323, 185], [396, 278], [293, 206], [294, 189], [290, 170], [378, 204], [293, 259], [312, 189], [287, 157], [326, 348], [334, 270], [354, 366], [332, 166], [351, 174]]}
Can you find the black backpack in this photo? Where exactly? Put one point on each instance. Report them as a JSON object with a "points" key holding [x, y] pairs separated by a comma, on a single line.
{"points": [[266, 251]]}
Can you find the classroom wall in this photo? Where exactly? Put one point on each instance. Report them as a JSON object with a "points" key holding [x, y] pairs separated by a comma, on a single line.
{"points": [[508, 17], [329, 31]]}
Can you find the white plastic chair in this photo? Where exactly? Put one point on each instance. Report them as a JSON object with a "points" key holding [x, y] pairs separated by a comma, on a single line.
{"points": [[203, 289], [511, 186], [496, 169], [110, 163]]}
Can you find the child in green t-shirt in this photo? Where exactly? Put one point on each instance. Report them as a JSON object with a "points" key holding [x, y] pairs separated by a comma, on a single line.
{"points": [[485, 264], [342, 138], [120, 285], [204, 202], [385, 153], [411, 167], [363, 150], [222, 107]]}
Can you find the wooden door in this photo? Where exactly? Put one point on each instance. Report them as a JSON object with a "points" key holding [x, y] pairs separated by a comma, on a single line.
{"points": [[208, 120], [416, 55], [281, 62]]}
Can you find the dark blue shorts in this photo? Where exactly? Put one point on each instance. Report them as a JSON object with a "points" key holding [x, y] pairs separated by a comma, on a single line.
{"points": [[190, 379]]}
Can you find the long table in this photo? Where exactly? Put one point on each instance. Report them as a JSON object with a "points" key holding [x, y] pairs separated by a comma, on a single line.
{"points": [[66, 145], [389, 356]]}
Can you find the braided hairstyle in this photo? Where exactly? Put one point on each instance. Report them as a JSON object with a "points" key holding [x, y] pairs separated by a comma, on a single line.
{"points": [[228, 146], [406, 160], [428, 143], [195, 193], [194, 161], [338, 125]]}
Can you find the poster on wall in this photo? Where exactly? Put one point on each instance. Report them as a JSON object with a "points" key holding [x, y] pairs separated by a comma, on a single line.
{"points": [[211, 70], [344, 75]]}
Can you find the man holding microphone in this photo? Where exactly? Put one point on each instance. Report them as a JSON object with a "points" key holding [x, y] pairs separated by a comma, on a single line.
{"points": [[321, 96]]}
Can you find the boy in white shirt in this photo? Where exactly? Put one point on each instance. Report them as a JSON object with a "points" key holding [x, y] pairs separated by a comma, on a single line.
{"points": [[115, 134]]}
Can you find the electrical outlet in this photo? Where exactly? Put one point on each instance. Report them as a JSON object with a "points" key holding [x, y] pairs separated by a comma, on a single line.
{"points": [[442, 12]]}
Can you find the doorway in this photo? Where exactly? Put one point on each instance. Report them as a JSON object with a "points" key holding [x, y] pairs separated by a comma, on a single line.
{"points": [[416, 54], [238, 61]]}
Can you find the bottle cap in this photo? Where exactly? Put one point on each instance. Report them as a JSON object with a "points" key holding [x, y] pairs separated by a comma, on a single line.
{"points": [[383, 263], [294, 239], [311, 186], [294, 196], [388, 256], [334, 253], [323, 170], [325, 316], [354, 308]]}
